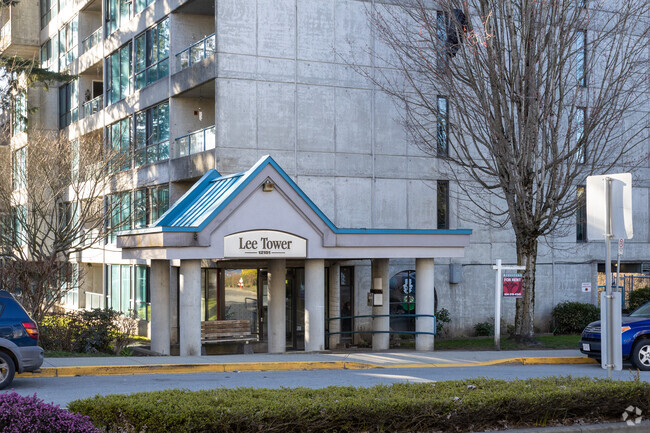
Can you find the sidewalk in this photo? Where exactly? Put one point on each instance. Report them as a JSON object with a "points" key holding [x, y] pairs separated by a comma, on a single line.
{"points": [[102, 366]]}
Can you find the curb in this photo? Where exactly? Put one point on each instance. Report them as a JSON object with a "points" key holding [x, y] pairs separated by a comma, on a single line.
{"points": [[73, 371], [618, 427]]}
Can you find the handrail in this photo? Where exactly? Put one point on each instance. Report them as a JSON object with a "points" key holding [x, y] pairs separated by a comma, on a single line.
{"points": [[196, 52], [93, 106], [195, 142], [389, 331], [91, 40]]}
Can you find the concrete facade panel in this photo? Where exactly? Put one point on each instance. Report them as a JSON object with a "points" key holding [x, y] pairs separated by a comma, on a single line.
{"points": [[316, 118], [353, 202], [391, 206], [353, 121], [276, 28], [316, 163], [236, 114], [237, 26], [276, 116], [421, 204], [353, 165], [316, 30]]}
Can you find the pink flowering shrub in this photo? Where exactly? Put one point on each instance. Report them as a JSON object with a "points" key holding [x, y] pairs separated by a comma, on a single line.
{"points": [[20, 414]]}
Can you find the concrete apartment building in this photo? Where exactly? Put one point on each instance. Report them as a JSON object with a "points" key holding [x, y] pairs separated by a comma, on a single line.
{"points": [[190, 86]]}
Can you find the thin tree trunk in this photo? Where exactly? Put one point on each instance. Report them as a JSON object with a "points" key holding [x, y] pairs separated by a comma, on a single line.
{"points": [[525, 307]]}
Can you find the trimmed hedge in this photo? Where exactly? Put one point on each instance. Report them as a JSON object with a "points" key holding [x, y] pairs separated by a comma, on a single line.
{"points": [[572, 317], [469, 405]]}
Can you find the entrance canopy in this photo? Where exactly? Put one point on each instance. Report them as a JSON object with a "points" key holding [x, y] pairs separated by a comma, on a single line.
{"points": [[262, 214]]}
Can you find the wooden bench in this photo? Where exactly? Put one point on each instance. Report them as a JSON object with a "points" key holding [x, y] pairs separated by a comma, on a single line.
{"points": [[226, 331]]}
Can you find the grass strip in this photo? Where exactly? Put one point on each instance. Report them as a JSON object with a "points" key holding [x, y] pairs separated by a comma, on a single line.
{"points": [[453, 406]]}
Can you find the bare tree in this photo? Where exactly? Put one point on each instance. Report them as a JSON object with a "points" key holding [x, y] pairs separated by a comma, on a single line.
{"points": [[531, 95], [52, 199]]}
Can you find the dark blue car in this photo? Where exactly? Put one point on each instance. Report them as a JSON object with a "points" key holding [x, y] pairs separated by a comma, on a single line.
{"points": [[636, 338], [19, 350]]}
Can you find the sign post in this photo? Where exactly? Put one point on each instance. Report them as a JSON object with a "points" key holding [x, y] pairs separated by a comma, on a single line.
{"points": [[610, 196], [497, 297]]}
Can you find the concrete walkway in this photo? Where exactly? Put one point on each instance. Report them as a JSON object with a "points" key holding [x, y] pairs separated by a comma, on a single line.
{"points": [[101, 366]]}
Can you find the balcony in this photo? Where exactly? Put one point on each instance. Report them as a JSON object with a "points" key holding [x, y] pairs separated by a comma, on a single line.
{"points": [[93, 106], [91, 40], [196, 52], [196, 142], [94, 301]]}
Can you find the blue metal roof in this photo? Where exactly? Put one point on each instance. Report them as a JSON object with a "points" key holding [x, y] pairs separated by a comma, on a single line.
{"points": [[210, 194]]}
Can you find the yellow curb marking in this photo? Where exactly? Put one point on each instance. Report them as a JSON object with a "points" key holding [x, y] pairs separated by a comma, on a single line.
{"points": [[278, 366]]}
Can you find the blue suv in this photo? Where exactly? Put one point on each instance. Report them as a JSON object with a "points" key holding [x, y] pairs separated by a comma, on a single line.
{"points": [[635, 338], [19, 350]]}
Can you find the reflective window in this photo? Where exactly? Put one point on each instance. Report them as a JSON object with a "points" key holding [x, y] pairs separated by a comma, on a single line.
{"points": [[152, 54], [442, 126], [142, 295], [152, 134], [581, 215], [118, 74], [19, 117], [68, 103], [402, 301], [241, 295], [581, 61], [443, 204], [209, 300], [19, 168]]}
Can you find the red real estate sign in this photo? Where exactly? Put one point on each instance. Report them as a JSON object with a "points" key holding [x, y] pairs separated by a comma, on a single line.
{"points": [[512, 286]]}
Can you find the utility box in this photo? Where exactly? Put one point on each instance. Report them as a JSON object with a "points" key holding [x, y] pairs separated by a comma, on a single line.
{"points": [[455, 273]]}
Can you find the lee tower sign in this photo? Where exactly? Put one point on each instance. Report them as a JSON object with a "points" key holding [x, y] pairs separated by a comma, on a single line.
{"points": [[264, 243]]}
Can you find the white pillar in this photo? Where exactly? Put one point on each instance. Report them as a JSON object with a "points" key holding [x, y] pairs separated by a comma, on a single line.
{"points": [[314, 305], [190, 308], [334, 304], [381, 341], [424, 303], [277, 310], [160, 308]]}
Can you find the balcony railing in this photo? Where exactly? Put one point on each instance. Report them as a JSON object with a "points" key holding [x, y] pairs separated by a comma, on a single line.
{"points": [[5, 35], [196, 52], [94, 300], [93, 106], [91, 40], [195, 142]]}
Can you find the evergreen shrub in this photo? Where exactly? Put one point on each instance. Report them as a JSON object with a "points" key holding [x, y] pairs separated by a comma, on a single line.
{"points": [[572, 317]]}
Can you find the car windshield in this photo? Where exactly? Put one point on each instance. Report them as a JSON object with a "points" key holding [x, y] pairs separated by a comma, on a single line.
{"points": [[642, 311]]}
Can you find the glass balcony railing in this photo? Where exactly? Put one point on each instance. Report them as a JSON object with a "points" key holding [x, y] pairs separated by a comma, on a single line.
{"points": [[91, 40], [196, 52], [93, 106], [195, 142], [94, 301]]}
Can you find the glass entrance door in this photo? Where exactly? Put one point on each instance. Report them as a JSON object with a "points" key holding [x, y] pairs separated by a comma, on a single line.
{"points": [[295, 307]]}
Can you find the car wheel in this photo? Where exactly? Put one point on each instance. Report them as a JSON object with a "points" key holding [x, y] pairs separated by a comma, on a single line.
{"points": [[641, 354], [7, 370]]}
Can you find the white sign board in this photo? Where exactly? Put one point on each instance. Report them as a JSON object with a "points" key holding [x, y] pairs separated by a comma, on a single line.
{"points": [[264, 243], [621, 206], [586, 287]]}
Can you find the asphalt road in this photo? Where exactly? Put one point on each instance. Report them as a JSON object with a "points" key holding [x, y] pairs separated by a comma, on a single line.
{"points": [[62, 390]]}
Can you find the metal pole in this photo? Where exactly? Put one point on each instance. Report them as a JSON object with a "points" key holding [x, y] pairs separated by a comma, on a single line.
{"points": [[608, 277], [497, 308]]}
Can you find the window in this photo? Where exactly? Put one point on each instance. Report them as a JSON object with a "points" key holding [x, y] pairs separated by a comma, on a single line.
{"points": [[46, 12], [152, 134], [140, 5], [68, 103], [581, 141], [20, 218], [443, 204], [68, 46], [119, 206], [142, 293], [19, 168], [118, 74], [442, 135], [46, 54], [450, 30], [152, 54], [71, 297], [118, 137], [149, 204], [581, 61], [117, 12], [209, 298], [20, 113], [581, 215], [119, 288]]}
